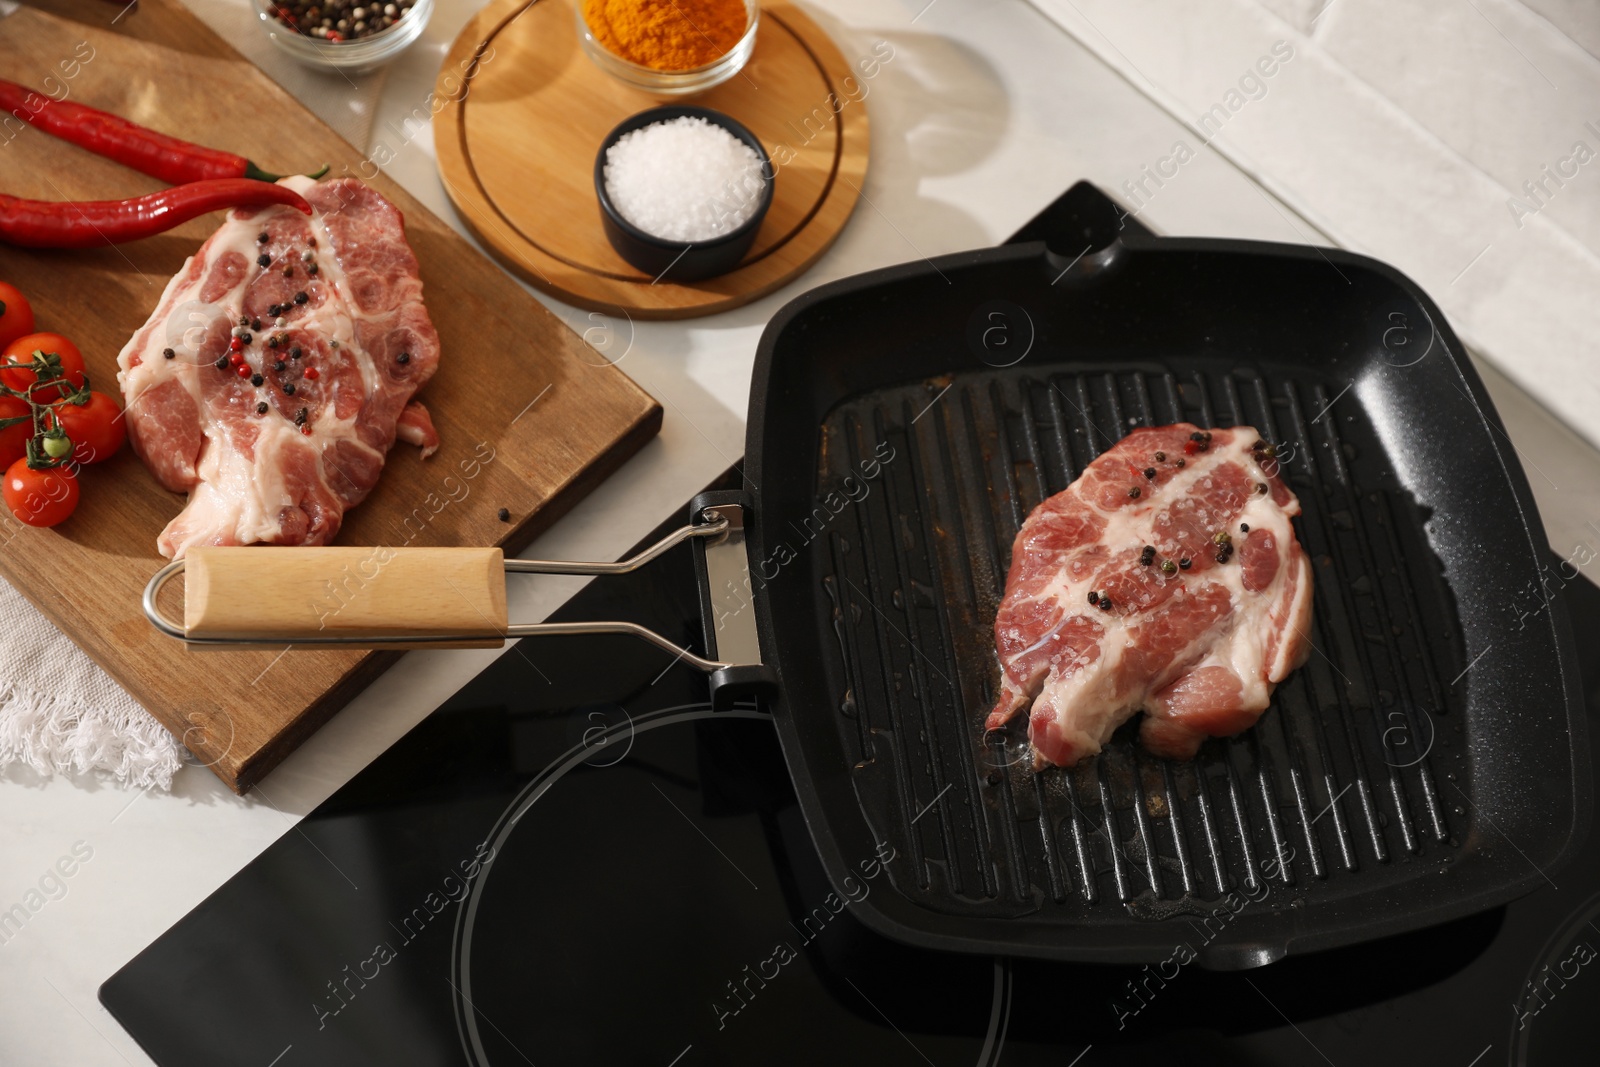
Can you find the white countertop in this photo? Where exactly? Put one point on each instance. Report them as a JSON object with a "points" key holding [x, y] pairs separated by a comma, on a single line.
{"points": [[986, 113]]}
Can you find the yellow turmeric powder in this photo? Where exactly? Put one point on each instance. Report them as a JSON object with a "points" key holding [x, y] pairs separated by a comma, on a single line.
{"points": [[667, 34]]}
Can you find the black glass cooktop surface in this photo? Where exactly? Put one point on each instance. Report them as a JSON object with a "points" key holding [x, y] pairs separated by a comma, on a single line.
{"points": [[576, 861]]}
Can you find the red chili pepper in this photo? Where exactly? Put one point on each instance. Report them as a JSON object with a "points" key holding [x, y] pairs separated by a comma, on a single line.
{"points": [[90, 223], [172, 160]]}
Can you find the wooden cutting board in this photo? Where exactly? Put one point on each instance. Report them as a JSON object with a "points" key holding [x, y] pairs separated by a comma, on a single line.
{"points": [[530, 416]]}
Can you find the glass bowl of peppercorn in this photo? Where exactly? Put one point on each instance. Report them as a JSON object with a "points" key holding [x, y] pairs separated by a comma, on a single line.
{"points": [[669, 47], [351, 36]]}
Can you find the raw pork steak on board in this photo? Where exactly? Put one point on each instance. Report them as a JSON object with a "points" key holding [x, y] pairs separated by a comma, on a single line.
{"points": [[1166, 578], [279, 367]]}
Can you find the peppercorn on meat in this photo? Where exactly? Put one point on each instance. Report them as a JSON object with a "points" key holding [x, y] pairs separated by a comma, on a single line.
{"points": [[279, 367], [1167, 578]]}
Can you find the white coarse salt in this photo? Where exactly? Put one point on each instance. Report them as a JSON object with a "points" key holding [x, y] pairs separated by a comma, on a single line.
{"points": [[685, 179]]}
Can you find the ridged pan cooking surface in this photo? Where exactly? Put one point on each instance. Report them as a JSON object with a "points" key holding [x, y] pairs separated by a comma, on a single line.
{"points": [[903, 425]]}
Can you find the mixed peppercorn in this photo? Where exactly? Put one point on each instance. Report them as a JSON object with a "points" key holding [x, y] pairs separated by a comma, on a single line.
{"points": [[1197, 442], [245, 335], [341, 20], [1222, 542], [1147, 558], [274, 368]]}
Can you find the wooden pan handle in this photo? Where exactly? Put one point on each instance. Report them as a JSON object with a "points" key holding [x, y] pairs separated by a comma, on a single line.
{"points": [[273, 595]]}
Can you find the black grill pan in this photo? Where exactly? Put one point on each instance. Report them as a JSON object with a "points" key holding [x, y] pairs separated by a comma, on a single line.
{"points": [[904, 422]]}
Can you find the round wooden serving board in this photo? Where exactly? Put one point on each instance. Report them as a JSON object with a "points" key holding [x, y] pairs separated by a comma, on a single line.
{"points": [[524, 112]]}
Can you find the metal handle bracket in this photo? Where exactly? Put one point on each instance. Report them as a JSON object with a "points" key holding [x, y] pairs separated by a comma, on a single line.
{"points": [[727, 599]]}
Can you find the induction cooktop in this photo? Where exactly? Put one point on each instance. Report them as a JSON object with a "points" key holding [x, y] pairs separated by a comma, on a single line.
{"points": [[575, 860]]}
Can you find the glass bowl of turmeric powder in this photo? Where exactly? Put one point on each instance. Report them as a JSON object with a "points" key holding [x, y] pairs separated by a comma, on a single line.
{"points": [[669, 47]]}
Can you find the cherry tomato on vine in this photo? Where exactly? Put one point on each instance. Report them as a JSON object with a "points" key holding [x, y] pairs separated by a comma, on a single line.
{"points": [[40, 498], [20, 352], [16, 314], [14, 439], [97, 428]]}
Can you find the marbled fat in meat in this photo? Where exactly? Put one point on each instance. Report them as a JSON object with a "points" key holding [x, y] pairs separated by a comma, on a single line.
{"points": [[365, 345], [1199, 650]]}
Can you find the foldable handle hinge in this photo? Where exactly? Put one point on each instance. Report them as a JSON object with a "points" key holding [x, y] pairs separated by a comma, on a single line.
{"points": [[727, 599]]}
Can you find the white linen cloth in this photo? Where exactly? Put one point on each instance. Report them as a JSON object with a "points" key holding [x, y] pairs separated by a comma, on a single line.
{"points": [[61, 714]]}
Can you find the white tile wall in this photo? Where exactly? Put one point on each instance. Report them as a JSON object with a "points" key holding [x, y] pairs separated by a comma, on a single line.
{"points": [[1301, 14], [1578, 19], [1494, 81], [1404, 130]]}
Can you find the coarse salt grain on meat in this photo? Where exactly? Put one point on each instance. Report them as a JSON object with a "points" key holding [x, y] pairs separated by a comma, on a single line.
{"points": [[335, 379], [1166, 578]]}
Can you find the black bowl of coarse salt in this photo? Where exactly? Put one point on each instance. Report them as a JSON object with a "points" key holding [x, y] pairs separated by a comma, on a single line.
{"points": [[683, 191]]}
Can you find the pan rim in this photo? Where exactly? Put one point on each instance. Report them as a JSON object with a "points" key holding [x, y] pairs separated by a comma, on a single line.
{"points": [[905, 919]]}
